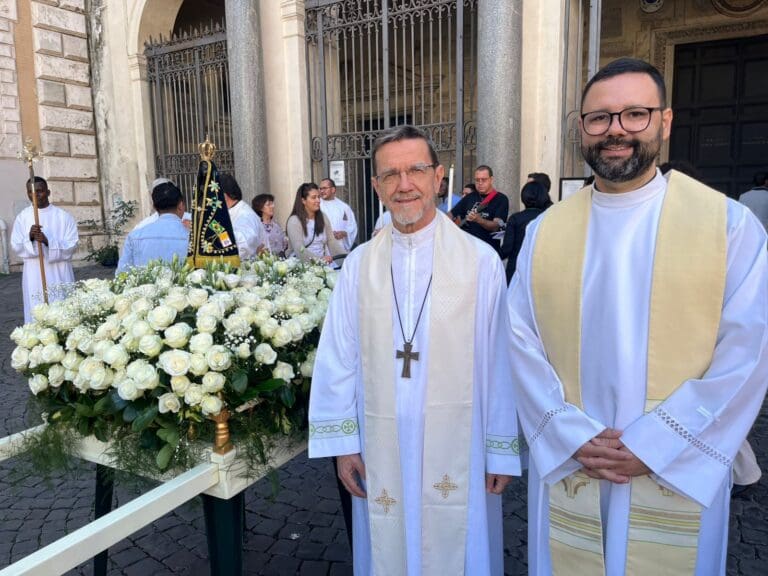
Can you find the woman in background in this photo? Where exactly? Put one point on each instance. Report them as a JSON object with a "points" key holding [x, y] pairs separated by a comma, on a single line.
{"points": [[264, 206], [310, 235]]}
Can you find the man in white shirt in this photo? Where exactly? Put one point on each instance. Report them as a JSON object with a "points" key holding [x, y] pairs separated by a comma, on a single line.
{"points": [[247, 226], [638, 328], [58, 234], [339, 213]]}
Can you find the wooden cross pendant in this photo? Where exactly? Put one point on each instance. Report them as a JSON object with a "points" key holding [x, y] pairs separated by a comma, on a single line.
{"points": [[407, 354]]}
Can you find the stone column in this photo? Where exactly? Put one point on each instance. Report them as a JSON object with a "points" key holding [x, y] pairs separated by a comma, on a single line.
{"points": [[499, 67], [246, 90]]}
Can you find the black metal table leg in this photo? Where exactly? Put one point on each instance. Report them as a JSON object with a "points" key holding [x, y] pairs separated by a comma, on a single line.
{"points": [[225, 530], [102, 505]]}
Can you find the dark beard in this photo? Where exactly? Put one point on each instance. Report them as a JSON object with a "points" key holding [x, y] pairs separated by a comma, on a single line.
{"points": [[643, 157]]}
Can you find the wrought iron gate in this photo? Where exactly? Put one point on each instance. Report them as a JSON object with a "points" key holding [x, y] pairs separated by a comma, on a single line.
{"points": [[189, 85], [372, 64]]}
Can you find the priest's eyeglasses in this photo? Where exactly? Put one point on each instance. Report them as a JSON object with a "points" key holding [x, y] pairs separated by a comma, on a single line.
{"points": [[415, 173], [635, 119]]}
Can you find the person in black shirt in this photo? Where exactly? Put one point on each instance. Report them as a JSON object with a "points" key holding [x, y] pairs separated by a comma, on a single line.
{"points": [[480, 213], [535, 199]]}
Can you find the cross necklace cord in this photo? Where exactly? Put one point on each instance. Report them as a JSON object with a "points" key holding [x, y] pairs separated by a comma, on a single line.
{"points": [[407, 354]]}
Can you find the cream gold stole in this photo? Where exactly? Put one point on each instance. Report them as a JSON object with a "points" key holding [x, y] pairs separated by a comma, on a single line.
{"points": [[448, 408], [686, 301]]}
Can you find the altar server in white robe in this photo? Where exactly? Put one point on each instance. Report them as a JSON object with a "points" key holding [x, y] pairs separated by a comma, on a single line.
{"points": [[246, 224], [405, 389], [339, 213], [58, 233], [639, 318]]}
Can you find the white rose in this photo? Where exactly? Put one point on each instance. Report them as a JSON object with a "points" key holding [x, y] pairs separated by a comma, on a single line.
{"points": [[213, 382], [135, 367], [101, 379], [179, 384], [211, 405], [248, 298], [236, 325], [70, 375], [109, 329], [324, 295], [177, 336], [281, 337], [176, 299], [122, 305], [219, 358], [150, 345], [161, 317], [308, 365], [200, 343], [129, 343], [141, 306], [168, 403], [100, 348], [211, 308], [193, 395], [146, 377], [330, 279], [29, 338], [198, 365], [140, 328], [243, 350], [294, 327], [266, 306], [231, 280], [47, 336], [175, 362], [264, 354], [283, 371], [259, 317], [81, 383], [116, 356], [127, 390], [295, 306], [306, 321], [36, 356], [268, 328], [196, 276], [71, 360], [17, 334], [38, 383], [56, 375], [19, 358], [197, 297], [207, 324], [225, 300]]}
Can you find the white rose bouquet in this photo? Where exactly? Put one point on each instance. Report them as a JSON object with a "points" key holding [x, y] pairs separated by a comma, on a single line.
{"points": [[145, 360]]}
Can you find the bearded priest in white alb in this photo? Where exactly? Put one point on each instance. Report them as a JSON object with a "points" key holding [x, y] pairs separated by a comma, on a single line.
{"points": [[58, 234], [639, 318], [405, 389]]}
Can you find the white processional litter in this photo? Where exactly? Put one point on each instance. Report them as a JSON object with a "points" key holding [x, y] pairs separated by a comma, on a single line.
{"points": [[222, 477]]}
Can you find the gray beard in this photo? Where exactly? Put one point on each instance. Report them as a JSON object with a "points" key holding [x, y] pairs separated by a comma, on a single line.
{"points": [[643, 157], [405, 221]]}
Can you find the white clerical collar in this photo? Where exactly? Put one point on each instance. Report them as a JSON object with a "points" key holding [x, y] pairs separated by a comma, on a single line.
{"points": [[632, 198], [415, 239]]}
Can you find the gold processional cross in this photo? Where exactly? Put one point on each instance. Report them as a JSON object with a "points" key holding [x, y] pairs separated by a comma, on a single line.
{"points": [[407, 354]]}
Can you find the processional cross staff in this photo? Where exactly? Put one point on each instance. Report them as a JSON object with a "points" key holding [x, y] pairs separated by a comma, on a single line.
{"points": [[29, 154]]}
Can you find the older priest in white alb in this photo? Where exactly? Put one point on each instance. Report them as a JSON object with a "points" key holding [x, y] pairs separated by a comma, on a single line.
{"points": [[405, 389], [639, 327]]}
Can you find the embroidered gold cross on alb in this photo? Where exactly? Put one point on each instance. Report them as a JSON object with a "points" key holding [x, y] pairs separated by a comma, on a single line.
{"points": [[574, 482], [386, 501], [445, 486]]}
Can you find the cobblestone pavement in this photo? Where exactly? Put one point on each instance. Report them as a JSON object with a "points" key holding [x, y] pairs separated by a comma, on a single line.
{"points": [[299, 531]]}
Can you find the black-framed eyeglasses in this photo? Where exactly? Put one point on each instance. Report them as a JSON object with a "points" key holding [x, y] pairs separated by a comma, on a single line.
{"points": [[635, 119], [390, 178]]}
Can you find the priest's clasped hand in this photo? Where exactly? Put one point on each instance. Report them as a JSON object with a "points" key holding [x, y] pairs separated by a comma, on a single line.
{"points": [[495, 483], [36, 234], [606, 458], [350, 469]]}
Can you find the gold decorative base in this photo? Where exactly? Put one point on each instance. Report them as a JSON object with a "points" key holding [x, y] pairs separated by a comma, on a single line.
{"points": [[221, 442]]}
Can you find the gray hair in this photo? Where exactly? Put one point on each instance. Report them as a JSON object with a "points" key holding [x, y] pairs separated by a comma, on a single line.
{"points": [[399, 133]]}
